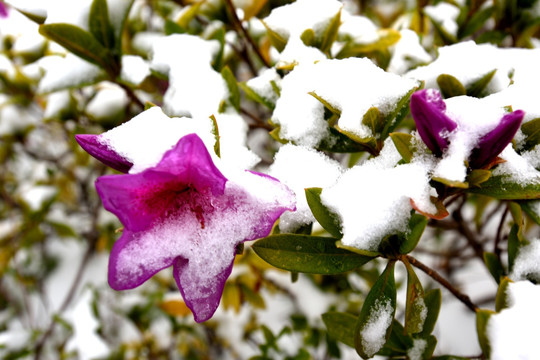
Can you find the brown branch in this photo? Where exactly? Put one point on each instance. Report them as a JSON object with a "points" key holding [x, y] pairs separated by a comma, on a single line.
{"points": [[437, 277], [244, 32]]}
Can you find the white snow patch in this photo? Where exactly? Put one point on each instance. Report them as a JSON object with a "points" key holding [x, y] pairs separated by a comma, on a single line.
{"points": [[299, 168], [134, 69], [373, 333], [417, 351], [508, 335], [527, 263], [445, 15], [109, 101], [407, 53], [67, 72]]}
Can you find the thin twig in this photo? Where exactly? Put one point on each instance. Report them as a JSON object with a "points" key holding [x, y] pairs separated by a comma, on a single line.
{"points": [[246, 35], [437, 277]]}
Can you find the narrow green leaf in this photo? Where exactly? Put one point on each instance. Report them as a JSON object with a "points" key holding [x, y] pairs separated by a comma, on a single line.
{"points": [[445, 36], [307, 254], [531, 208], [78, 41], [276, 39], [433, 301], [394, 118], [417, 224], [100, 25], [387, 38], [415, 307], [35, 17], [494, 266], [398, 342], [482, 318], [476, 88], [340, 326], [501, 300], [477, 21], [338, 142], [503, 188], [374, 324], [232, 85], [450, 86], [330, 34], [215, 131], [514, 243], [218, 61], [326, 104], [531, 129], [329, 221], [252, 95], [403, 143], [189, 14]]}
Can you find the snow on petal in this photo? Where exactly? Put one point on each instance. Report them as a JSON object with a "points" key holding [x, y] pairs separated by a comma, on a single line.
{"points": [[367, 195], [299, 168], [92, 145], [183, 212], [195, 88]]}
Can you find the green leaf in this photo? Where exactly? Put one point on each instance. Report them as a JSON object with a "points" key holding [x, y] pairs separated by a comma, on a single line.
{"points": [[432, 299], [446, 37], [393, 119], [215, 132], [79, 42], [417, 224], [373, 120], [307, 254], [374, 324], [477, 87], [252, 95], [324, 43], [387, 38], [531, 129], [100, 25], [218, 61], [340, 326], [477, 21], [415, 307], [189, 13], [482, 318], [529, 207], [403, 143], [494, 266], [503, 188], [450, 86], [514, 243], [308, 37], [338, 142], [329, 221], [232, 85], [35, 17], [326, 104], [478, 176], [276, 39], [501, 300]]}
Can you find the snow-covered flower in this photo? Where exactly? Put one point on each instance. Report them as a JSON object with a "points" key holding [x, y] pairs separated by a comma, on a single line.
{"points": [[183, 212], [435, 128]]}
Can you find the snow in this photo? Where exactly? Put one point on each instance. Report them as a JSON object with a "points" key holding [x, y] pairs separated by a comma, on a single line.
{"points": [[195, 88], [359, 29], [445, 15], [299, 168], [67, 72], [68, 11], [262, 84], [134, 69], [511, 334], [518, 169], [417, 351], [407, 53], [56, 103], [109, 101], [527, 263], [369, 194], [301, 116], [373, 332]]}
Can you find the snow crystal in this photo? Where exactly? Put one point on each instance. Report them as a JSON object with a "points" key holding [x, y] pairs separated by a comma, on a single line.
{"points": [[519, 169], [195, 88], [445, 15], [299, 168], [301, 116], [417, 351], [367, 195], [407, 53], [508, 335], [67, 72], [373, 333], [527, 263], [290, 21], [134, 69]]}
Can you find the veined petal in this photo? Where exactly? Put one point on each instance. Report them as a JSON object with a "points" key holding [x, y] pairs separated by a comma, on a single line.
{"points": [[433, 125], [3, 10], [491, 144], [92, 145]]}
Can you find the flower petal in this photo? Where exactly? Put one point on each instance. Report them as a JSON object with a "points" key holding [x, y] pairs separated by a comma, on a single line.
{"points": [[433, 125], [3, 10], [103, 153], [491, 144]]}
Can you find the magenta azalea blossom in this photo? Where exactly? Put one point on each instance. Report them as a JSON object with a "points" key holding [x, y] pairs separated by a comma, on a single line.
{"points": [[184, 213], [92, 145], [3, 10], [435, 128]]}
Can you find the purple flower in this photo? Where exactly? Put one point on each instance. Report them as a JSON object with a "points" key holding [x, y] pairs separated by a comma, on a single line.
{"points": [[433, 125], [491, 144], [92, 145], [435, 128], [3, 10], [183, 212]]}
